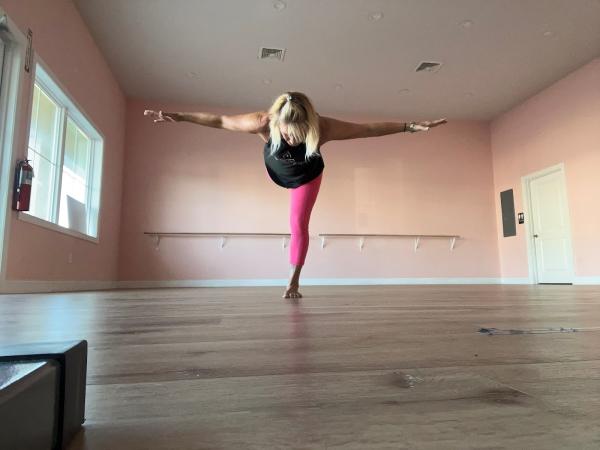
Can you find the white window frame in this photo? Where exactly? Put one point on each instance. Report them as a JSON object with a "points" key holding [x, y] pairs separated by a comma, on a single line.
{"points": [[11, 103], [68, 108]]}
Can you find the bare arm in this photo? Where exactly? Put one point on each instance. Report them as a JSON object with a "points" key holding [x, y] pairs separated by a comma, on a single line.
{"points": [[334, 130], [255, 122]]}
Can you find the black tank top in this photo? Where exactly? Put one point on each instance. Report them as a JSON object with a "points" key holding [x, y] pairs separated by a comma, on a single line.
{"points": [[288, 167]]}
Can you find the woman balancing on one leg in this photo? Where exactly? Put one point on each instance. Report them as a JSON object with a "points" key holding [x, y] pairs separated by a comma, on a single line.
{"points": [[294, 133]]}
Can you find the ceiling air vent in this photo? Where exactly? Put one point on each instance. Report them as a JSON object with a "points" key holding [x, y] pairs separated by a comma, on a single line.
{"points": [[271, 53], [429, 67]]}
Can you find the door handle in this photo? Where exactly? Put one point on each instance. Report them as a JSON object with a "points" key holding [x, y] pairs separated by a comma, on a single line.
{"points": [[535, 236]]}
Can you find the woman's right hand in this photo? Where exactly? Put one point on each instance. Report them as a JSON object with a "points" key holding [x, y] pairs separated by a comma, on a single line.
{"points": [[159, 116]]}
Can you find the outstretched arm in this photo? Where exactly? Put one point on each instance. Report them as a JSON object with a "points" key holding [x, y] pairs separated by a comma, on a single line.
{"points": [[256, 122], [334, 130]]}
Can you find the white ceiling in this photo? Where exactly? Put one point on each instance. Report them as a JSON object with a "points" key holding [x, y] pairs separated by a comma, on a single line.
{"points": [[205, 52]]}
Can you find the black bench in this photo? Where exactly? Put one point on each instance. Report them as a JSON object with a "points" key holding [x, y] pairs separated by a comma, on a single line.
{"points": [[42, 394]]}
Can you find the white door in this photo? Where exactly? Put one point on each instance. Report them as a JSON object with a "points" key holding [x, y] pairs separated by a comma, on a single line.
{"points": [[550, 228]]}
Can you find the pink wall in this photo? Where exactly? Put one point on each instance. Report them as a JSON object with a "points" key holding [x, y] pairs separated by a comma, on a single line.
{"points": [[559, 125], [64, 43], [187, 178], [182, 177]]}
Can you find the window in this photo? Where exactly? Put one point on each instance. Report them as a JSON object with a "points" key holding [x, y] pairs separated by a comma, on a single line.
{"points": [[13, 45], [66, 154]]}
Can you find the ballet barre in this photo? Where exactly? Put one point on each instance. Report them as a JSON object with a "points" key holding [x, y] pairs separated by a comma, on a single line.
{"points": [[417, 237], [323, 236], [159, 235]]}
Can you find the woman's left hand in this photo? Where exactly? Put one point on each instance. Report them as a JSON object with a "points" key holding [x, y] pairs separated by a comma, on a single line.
{"points": [[424, 126]]}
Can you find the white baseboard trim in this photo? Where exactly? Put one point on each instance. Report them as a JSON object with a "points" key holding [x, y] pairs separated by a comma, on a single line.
{"points": [[516, 280], [586, 280], [304, 282], [143, 284], [394, 281], [26, 286], [576, 280], [34, 286]]}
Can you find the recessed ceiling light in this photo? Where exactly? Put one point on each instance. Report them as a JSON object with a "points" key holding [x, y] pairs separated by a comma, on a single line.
{"points": [[279, 5], [375, 16], [267, 81], [339, 87], [403, 91], [548, 33], [467, 24]]}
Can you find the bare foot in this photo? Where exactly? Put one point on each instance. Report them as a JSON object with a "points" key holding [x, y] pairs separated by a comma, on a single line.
{"points": [[292, 292]]}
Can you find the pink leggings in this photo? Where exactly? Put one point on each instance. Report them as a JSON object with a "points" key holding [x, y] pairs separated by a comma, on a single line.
{"points": [[302, 201]]}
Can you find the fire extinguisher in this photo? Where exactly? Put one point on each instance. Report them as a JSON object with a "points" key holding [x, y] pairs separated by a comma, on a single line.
{"points": [[22, 186]]}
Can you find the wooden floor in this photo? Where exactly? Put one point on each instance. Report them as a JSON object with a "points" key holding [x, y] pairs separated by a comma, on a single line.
{"points": [[386, 367]]}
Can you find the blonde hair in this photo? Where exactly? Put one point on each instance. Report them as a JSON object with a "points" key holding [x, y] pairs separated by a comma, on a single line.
{"points": [[295, 110]]}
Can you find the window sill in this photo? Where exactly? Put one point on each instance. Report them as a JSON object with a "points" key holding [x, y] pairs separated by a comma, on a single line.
{"points": [[54, 227]]}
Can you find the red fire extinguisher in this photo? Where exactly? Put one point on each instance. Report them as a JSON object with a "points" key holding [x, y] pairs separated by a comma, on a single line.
{"points": [[22, 186]]}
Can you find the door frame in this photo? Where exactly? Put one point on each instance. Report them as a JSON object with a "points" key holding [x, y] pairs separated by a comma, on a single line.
{"points": [[527, 208]]}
